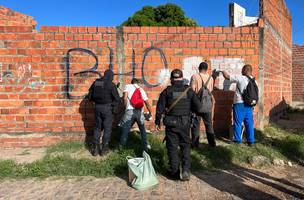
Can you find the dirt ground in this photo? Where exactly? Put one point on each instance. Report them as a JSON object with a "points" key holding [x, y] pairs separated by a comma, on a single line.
{"points": [[274, 183]]}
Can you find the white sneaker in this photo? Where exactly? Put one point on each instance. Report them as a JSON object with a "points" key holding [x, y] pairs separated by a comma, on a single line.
{"points": [[148, 146]]}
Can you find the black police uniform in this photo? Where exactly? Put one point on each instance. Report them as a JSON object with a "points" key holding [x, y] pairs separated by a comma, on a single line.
{"points": [[104, 94], [177, 135]]}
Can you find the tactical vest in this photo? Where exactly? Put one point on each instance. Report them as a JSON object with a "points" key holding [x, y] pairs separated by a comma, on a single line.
{"points": [[102, 92], [182, 108]]}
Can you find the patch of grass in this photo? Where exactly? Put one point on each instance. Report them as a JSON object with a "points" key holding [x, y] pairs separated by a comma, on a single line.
{"points": [[272, 143], [7, 168]]}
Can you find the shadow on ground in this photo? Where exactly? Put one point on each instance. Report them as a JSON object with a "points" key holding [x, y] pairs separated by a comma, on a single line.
{"points": [[235, 180]]}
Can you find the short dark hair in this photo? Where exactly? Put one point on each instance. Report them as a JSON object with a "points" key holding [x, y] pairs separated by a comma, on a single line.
{"points": [[248, 67], [135, 80], [203, 66]]}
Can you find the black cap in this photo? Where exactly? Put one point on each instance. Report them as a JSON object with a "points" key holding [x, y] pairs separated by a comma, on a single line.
{"points": [[176, 73]]}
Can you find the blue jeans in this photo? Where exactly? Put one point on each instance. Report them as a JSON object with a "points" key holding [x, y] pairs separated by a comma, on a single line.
{"points": [[243, 113], [126, 123]]}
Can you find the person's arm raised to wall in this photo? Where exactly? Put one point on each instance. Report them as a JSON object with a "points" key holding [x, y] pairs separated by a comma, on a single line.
{"points": [[226, 75], [193, 83]]}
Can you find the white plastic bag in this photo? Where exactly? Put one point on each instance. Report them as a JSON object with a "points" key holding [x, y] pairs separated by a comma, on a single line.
{"points": [[141, 172]]}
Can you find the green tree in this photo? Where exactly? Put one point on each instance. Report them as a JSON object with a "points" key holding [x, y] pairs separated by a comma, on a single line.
{"points": [[163, 15]]}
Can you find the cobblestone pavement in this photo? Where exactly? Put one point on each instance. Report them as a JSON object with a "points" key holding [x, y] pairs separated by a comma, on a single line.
{"points": [[236, 184]]}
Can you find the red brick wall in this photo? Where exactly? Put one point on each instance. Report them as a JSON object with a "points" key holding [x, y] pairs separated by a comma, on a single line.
{"points": [[34, 95], [12, 18], [41, 89], [277, 58], [298, 73]]}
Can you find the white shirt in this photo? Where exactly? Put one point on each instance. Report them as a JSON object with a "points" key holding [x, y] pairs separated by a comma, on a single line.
{"points": [[130, 89], [241, 84]]}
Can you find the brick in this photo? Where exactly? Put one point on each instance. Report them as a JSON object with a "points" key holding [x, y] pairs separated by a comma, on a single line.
{"points": [[213, 52], [223, 52], [135, 29], [59, 36], [163, 30], [39, 36], [151, 37], [209, 44], [213, 37], [208, 30], [227, 30], [199, 30], [63, 29], [186, 37], [92, 29], [249, 52], [194, 37], [53, 29], [87, 37], [97, 37], [246, 29], [204, 37], [73, 29], [69, 37], [171, 29], [190, 29], [153, 29], [236, 44], [222, 37], [78, 36], [217, 29], [218, 44], [25, 36], [17, 29], [82, 29], [144, 29]]}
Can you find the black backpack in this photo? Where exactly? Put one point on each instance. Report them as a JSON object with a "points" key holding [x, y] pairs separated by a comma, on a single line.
{"points": [[205, 97], [251, 93]]}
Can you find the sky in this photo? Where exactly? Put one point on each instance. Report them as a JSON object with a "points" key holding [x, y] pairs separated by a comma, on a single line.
{"points": [[114, 12]]}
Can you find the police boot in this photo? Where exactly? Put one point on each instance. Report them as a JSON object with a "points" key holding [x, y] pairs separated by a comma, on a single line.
{"points": [[95, 149], [173, 175], [185, 176], [105, 149]]}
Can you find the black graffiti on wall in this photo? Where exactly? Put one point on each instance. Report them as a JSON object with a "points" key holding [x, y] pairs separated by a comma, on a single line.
{"points": [[94, 68]]}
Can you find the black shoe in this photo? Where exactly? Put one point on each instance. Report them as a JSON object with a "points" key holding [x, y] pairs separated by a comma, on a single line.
{"points": [[95, 150], [196, 146], [212, 144], [121, 147], [234, 142], [185, 176], [173, 175], [250, 144], [105, 150]]}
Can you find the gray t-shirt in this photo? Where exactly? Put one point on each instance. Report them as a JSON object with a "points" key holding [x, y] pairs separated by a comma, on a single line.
{"points": [[241, 84]]}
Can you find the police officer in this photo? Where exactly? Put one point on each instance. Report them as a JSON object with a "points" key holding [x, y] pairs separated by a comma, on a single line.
{"points": [[177, 102], [103, 92]]}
